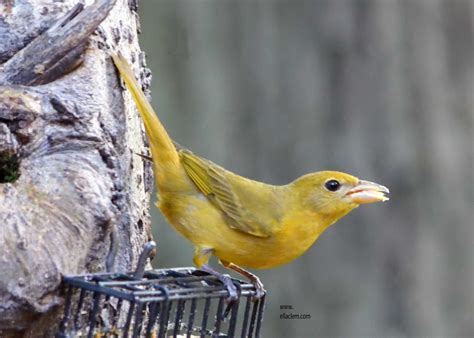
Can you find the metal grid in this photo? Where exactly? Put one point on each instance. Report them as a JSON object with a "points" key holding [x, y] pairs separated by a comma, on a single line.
{"points": [[182, 302]]}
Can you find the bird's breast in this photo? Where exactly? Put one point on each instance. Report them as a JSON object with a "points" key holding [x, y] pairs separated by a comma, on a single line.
{"points": [[194, 217]]}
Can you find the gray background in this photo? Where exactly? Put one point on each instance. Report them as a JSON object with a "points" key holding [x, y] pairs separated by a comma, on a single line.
{"points": [[380, 89]]}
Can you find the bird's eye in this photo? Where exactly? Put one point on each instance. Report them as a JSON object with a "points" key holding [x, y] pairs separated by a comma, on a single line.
{"points": [[332, 185]]}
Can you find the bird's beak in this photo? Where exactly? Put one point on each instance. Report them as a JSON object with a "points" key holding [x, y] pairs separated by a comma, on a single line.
{"points": [[368, 192]]}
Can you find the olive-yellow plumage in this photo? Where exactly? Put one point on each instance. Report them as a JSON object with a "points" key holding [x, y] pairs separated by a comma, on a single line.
{"points": [[239, 220]]}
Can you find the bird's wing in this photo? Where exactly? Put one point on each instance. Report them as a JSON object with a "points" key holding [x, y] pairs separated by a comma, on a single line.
{"points": [[219, 186]]}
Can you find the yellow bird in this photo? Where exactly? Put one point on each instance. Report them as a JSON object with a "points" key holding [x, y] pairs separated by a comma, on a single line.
{"points": [[241, 221]]}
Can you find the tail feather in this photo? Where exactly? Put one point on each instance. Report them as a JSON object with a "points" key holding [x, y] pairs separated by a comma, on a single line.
{"points": [[163, 151]]}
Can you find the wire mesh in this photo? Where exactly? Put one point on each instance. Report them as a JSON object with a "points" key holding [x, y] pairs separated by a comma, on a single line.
{"points": [[181, 302]]}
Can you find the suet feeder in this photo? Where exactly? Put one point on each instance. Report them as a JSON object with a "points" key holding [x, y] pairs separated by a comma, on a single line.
{"points": [[179, 302]]}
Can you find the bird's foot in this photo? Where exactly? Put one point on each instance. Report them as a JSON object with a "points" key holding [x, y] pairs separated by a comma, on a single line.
{"points": [[233, 295], [260, 291], [231, 289]]}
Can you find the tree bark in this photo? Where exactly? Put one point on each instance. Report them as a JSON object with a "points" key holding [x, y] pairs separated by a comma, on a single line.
{"points": [[73, 193]]}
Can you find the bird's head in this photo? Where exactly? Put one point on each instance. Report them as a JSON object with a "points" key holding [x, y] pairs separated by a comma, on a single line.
{"points": [[334, 193]]}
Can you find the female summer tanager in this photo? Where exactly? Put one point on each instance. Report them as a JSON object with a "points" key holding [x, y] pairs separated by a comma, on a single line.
{"points": [[241, 221]]}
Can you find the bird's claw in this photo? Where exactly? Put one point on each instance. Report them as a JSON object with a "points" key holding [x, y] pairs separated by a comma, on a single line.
{"points": [[233, 295], [260, 291]]}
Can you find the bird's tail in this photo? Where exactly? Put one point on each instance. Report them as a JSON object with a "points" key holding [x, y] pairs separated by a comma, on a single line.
{"points": [[165, 157]]}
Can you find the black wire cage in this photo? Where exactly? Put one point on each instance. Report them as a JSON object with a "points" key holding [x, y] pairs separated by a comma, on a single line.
{"points": [[180, 302]]}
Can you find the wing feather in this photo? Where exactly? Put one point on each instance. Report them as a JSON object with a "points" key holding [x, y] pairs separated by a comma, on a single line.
{"points": [[213, 181]]}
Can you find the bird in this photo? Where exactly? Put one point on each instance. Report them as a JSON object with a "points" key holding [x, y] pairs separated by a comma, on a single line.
{"points": [[243, 222]]}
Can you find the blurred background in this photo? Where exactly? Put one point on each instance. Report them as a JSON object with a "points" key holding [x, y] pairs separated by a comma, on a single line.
{"points": [[382, 89]]}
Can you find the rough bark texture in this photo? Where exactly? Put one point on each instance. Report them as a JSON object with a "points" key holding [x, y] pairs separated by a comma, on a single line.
{"points": [[80, 184]]}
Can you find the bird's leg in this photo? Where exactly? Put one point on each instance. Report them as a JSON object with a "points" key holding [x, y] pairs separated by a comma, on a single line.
{"points": [[225, 279], [201, 257], [260, 290]]}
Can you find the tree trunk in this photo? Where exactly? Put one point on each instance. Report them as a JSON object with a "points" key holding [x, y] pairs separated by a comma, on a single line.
{"points": [[72, 191]]}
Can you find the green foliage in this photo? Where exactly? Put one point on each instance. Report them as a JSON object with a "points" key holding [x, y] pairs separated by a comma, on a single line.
{"points": [[9, 168]]}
